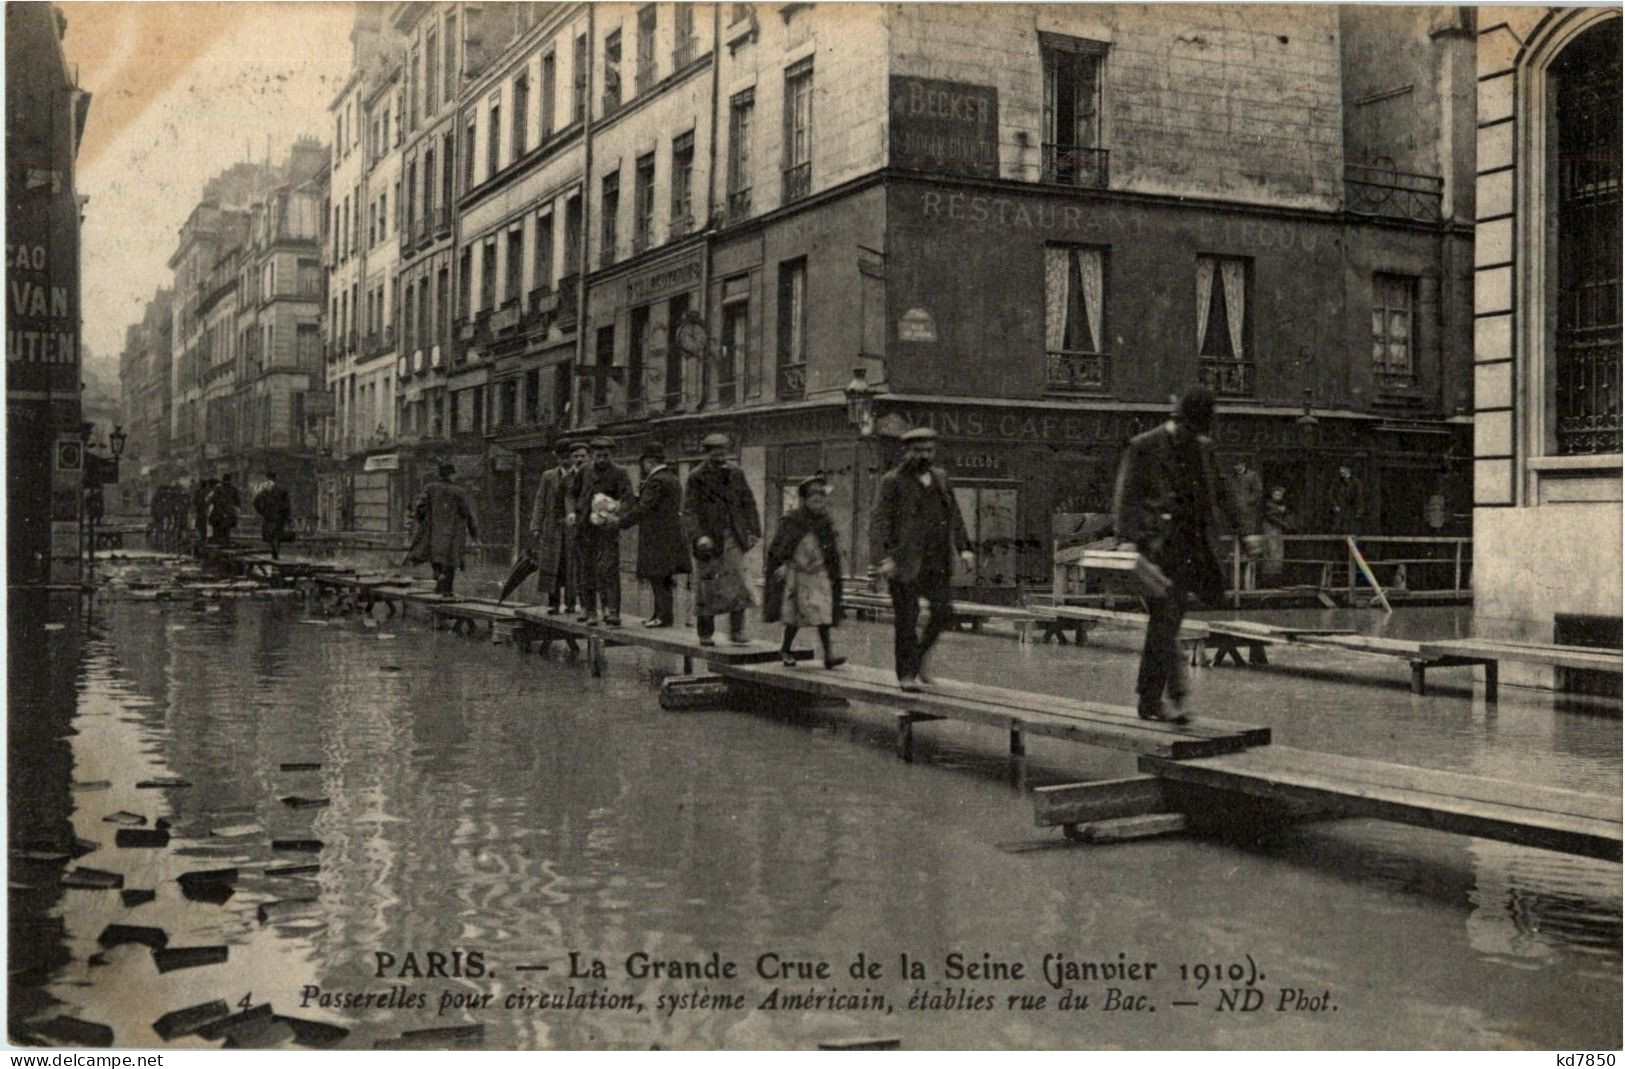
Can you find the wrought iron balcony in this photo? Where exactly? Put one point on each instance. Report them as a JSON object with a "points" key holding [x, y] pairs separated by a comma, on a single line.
{"points": [[1070, 372], [1226, 378], [1392, 194], [797, 182], [1076, 165], [739, 205]]}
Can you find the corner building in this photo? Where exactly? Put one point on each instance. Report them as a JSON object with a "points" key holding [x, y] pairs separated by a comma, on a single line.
{"points": [[1026, 225]]}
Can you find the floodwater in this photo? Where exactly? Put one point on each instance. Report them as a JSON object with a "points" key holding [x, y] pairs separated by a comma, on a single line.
{"points": [[517, 808]]}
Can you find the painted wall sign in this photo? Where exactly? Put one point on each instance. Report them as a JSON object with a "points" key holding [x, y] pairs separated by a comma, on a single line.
{"points": [[917, 325], [42, 313], [669, 278], [382, 462], [944, 126]]}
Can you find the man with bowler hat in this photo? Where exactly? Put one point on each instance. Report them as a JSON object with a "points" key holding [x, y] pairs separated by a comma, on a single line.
{"points": [[916, 532], [721, 523], [549, 535], [605, 489], [658, 516], [1168, 488]]}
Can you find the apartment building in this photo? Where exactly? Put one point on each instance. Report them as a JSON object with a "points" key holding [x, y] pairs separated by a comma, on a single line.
{"points": [[1546, 329], [144, 380]]}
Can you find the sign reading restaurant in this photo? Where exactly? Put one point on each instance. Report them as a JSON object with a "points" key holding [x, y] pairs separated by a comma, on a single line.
{"points": [[944, 126]]}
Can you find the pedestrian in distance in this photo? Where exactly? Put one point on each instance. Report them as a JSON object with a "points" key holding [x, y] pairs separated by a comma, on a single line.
{"points": [[224, 502], [1278, 523], [1346, 509], [444, 519], [550, 537], [200, 506], [1168, 489], [916, 531], [605, 491], [275, 511], [721, 523], [804, 573], [1246, 489], [579, 457], [658, 516]]}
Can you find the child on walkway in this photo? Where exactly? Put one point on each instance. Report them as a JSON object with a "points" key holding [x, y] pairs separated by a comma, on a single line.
{"points": [[804, 573]]}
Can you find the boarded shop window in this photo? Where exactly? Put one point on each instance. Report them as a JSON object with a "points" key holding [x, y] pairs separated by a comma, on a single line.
{"points": [[1392, 354]]}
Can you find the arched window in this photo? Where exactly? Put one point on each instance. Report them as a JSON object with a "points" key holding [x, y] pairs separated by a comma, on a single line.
{"points": [[1584, 167]]}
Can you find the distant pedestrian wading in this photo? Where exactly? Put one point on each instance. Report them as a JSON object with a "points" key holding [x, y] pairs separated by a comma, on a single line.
{"points": [[275, 511], [804, 573], [443, 517], [916, 532], [658, 516], [604, 492], [721, 523], [1168, 488]]}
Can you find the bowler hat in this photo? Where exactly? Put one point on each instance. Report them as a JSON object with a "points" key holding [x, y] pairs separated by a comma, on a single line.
{"points": [[715, 441], [653, 451], [920, 434], [563, 447]]}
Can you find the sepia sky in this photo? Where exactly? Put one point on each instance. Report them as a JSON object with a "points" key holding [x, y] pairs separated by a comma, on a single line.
{"points": [[182, 91]]}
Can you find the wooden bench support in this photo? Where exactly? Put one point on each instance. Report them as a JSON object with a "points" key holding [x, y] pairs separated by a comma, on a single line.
{"points": [[1127, 829], [1084, 803], [905, 732]]}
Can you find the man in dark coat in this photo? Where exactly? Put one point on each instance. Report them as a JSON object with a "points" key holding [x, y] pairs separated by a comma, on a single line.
{"points": [[658, 516], [721, 523], [200, 506], [1168, 488], [550, 537], [1347, 502], [223, 505], [605, 491], [275, 510], [444, 516], [916, 531]]}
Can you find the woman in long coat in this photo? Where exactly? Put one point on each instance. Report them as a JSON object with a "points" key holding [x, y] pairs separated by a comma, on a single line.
{"points": [[444, 518], [658, 516], [804, 573]]}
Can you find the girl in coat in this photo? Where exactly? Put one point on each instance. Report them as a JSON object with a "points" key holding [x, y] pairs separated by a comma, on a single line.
{"points": [[804, 573]]}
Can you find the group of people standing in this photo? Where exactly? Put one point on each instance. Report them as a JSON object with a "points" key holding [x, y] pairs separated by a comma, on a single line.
{"points": [[211, 508]]}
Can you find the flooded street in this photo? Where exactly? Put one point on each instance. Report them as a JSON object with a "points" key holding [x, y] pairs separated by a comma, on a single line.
{"points": [[516, 807]]}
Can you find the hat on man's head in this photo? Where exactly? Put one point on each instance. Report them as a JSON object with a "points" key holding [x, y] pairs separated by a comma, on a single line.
{"points": [[447, 470], [715, 441], [564, 447], [578, 444], [601, 443], [653, 451], [920, 434], [811, 483], [1195, 407]]}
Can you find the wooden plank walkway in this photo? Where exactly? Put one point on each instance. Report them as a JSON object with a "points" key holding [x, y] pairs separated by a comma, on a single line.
{"points": [[1408, 650], [1489, 653], [1566, 821], [538, 626], [1014, 712]]}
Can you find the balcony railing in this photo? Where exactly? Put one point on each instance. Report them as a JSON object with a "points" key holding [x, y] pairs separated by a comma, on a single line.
{"points": [[1070, 372], [792, 381], [1076, 165], [1226, 378], [738, 205], [1392, 194], [797, 182]]}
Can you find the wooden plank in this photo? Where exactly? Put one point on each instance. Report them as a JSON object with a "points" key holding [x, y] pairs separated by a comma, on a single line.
{"points": [[1560, 656], [1077, 803], [1357, 790], [678, 641], [857, 683], [1128, 829]]}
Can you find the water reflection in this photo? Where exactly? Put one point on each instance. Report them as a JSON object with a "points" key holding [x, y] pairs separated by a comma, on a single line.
{"points": [[479, 800]]}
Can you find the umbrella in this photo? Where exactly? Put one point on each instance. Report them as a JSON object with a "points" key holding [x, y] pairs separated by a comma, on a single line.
{"points": [[524, 569]]}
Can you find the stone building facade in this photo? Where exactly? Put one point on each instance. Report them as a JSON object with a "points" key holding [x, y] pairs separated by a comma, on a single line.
{"points": [[1546, 338]]}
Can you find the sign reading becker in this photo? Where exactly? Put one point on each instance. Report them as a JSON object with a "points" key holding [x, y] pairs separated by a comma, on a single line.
{"points": [[947, 126]]}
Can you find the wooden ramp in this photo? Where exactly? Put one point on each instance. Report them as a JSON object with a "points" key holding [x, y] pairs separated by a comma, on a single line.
{"points": [[1566, 821], [1016, 712]]}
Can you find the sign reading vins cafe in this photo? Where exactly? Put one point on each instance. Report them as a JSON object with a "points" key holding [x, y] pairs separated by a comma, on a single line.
{"points": [[947, 126]]}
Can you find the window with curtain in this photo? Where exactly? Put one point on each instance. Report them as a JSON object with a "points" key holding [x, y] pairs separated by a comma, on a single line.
{"points": [[1393, 301], [1075, 317], [1221, 308]]}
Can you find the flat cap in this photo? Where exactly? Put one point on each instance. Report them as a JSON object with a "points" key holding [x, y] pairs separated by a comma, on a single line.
{"points": [[715, 441], [579, 443], [920, 434], [807, 485], [601, 443]]}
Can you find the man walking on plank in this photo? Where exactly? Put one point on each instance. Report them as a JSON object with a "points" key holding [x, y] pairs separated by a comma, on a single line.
{"points": [[550, 537], [916, 531], [721, 522], [444, 516], [658, 515], [605, 489], [1168, 489]]}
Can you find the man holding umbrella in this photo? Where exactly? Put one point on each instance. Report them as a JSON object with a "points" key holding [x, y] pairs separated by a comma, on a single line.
{"points": [[658, 515]]}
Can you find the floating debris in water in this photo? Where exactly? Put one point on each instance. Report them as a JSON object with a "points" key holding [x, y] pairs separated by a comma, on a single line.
{"points": [[114, 934], [217, 1029], [294, 870], [294, 801], [167, 781], [184, 1022], [301, 766], [304, 845], [124, 817], [174, 958], [141, 837], [270, 911], [75, 1032], [136, 897], [258, 1035], [317, 1034], [92, 879], [93, 785], [236, 831]]}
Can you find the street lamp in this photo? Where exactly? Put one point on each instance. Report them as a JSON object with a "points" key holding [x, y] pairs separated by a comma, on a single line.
{"points": [[860, 403]]}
